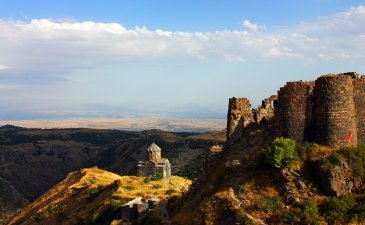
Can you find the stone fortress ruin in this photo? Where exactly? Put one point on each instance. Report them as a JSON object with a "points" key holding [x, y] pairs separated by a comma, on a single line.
{"points": [[326, 111], [154, 164]]}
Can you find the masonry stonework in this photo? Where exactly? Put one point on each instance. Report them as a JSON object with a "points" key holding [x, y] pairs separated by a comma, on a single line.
{"points": [[293, 110], [334, 110], [359, 99]]}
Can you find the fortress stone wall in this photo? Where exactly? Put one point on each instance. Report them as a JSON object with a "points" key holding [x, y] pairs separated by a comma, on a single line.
{"points": [[293, 110], [334, 110], [324, 111]]}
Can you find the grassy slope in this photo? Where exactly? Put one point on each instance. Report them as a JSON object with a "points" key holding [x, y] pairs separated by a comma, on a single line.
{"points": [[93, 196]]}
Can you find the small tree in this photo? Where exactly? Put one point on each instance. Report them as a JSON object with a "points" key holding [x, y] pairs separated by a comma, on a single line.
{"points": [[281, 152]]}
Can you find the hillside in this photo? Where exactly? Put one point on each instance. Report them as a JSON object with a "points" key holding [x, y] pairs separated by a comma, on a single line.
{"points": [[322, 186], [34, 160], [94, 196]]}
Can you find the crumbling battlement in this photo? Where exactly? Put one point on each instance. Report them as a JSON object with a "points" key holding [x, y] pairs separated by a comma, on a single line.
{"points": [[239, 116], [326, 111]]}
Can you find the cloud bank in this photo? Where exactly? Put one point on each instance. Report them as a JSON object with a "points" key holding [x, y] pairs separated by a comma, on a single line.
{"points": [[45, 50]]}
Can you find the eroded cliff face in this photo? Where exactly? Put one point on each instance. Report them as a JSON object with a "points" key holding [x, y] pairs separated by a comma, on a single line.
{"points": [[340, 179]]}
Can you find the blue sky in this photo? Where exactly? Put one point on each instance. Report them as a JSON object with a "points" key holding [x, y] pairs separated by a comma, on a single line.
{"points": [[116, 58]]}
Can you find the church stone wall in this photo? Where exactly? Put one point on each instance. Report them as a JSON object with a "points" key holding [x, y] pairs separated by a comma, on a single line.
{"points": [[334, 110], [293, 110]]}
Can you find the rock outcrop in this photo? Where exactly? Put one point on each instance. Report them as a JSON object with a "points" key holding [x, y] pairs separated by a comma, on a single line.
{"points": [[339, 180]]}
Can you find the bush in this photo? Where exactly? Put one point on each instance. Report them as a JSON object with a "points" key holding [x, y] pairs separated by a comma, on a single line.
{"points": [[336, 158], [357, 158], [339, 208], [157, 186], [310, 212], [281, 152], [303, 149], [269, 203], [291, 216], [157, 176], [170, 191], [307, 214], [146, 180]]}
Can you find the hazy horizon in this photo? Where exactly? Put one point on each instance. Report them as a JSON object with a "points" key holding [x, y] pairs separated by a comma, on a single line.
{"points": [[113, 59]]}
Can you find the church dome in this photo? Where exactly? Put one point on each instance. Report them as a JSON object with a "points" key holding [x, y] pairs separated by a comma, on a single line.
{"points": [[153, 148]]}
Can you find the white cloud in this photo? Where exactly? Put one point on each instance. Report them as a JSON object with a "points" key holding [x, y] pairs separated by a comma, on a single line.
{"points": [[47, 50], [3, 67], [251, 26]]}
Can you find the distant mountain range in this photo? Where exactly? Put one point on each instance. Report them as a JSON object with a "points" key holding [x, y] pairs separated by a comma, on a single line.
{"points": [[109, 111]]}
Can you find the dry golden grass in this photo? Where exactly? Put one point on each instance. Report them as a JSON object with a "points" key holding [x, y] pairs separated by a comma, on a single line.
{"points": [[94, 191], [320, 152], [219, 136]]}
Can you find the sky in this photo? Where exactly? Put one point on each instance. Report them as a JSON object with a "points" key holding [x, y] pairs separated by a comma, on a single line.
{"points": [[114, 58]]}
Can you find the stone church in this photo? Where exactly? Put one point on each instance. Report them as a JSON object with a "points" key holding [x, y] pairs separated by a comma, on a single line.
{"points": [[154, 164]]}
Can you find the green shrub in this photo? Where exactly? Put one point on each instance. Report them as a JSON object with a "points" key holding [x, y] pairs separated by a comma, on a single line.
{"points": [[170, 191], [303, 149], [292, 216], [357, 158], [157, 186], [339, 208], [146, 180], [129, 187], [157, 176], [269, 203], [359, 212], [281, 152], [326, 164], [311, 213], [336, 158], [307, 214]]}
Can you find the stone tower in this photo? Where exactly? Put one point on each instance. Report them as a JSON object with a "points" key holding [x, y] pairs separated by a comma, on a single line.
{"points": [[334, 112], [238, 117], [154, 152], [294, 110]]}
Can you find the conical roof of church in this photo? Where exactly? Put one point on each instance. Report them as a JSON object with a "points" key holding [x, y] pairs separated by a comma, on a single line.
{"points": [[153, 148]]}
